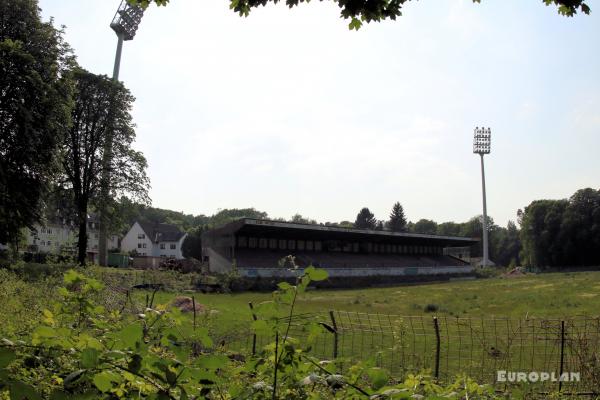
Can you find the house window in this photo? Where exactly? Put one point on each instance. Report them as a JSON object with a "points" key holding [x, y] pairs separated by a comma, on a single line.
{"points": [[144, 245], [141, 236], [42, 243], [139, 245], [48, 243], [173, 246], [49, 230], [162, 246]]}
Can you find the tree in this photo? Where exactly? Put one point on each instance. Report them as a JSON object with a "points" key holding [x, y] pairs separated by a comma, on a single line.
{"points": [[365, 219], [397, 222], [449, 229], [580, 228], [299, 219], [359, 11], [98, 102], [192, 244], [506, 245], [228, 215], [425, 226], [34, 110], [540, 228]]}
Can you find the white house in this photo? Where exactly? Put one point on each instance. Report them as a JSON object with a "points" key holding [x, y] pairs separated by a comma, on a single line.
{"points": [[59, 236], [157, 240]]}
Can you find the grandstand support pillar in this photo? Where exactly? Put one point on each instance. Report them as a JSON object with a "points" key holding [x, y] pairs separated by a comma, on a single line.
{"points": [[485, 260]]}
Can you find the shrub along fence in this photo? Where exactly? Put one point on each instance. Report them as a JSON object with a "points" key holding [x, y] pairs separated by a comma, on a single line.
{"points": [[540, 355]]}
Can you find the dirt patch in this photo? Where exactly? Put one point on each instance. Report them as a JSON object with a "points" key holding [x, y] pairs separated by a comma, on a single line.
{"points": [[514, 273], [186, 304]]}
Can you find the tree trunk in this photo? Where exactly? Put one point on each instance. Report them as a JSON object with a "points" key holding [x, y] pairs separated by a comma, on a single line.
{"points": [[82, 239]]}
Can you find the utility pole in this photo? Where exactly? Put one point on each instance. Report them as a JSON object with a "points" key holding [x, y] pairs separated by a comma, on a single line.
{"points": [[482, 146], [125, 24]]}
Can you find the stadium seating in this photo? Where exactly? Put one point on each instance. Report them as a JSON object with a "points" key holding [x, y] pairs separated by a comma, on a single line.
{"points": [[255, 258]]}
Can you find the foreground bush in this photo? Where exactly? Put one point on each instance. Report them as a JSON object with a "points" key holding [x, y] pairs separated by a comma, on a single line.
{"points": [[79, 350]]}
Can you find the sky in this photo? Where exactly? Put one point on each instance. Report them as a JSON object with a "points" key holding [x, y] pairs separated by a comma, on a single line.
{"points": [[289, 111]]}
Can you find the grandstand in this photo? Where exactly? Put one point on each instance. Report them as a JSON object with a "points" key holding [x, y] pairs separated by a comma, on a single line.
{"points": [[256, 248]]}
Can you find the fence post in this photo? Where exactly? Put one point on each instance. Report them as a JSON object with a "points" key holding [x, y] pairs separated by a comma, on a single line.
{"points": [[437, 347], [254, 334], [335, 335], [562, 353], [194, 309]]}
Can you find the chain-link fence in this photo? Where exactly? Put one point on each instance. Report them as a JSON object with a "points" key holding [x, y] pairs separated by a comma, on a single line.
{"points": [[544, 355]]}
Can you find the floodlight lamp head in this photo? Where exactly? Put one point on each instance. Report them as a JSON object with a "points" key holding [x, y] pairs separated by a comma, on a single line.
{"points": [[127, 19], [482, 140]]}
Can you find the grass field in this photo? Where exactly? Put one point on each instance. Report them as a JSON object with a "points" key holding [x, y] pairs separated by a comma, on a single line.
{"points": [[530, 296]]}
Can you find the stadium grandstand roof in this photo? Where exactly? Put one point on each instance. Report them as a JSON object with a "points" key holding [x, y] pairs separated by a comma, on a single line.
{"points": [[293, 230]]}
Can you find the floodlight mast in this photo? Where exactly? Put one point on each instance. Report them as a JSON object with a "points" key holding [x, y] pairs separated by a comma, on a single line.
{"points": [[482, 145], [125, 24]]}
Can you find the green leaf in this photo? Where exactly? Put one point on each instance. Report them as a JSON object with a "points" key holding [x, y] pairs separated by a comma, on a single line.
{"points": [[89, 358], [316, 274], [131, 334], [379, 378], [89, 395], [171, 377], [72, 276], [135, 364], [284, 286], [60, 395], [73, 377], [261, 327], [266, 309], [85, 341], [6, 356], [22, 391], [355, 24], [184, 395], [104, 380], [287, 297], [213, 361], [42, 333], [203, 336]]}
